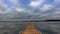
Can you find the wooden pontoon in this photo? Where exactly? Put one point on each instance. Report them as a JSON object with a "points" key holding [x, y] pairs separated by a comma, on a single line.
{"points": [[30, 29]]}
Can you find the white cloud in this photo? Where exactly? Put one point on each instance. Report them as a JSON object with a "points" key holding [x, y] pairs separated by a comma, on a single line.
{"points": [[20, 9], [3, 4], [4, 11], [46, 7], [37, 3], [34, 4], [53, 15], [56, 12], [1, 11], [44, 15]]}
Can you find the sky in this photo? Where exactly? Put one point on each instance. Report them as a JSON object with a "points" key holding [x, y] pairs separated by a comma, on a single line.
{"points": [[29, 9]]}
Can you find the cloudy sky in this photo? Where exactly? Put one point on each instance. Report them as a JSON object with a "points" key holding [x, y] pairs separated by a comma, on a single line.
{"points": [[29, 9]]}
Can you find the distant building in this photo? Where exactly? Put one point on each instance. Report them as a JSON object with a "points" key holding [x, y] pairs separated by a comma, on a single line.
{"points": [[30, 29]]}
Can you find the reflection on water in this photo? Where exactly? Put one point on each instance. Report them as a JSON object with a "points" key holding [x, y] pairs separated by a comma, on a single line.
{"points": [[14, 27]]}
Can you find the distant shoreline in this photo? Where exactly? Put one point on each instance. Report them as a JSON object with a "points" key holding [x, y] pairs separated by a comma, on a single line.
{"points": [[28, 20]]}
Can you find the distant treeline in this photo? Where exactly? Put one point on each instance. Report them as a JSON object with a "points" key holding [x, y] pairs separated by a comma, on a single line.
{"points": [[52, 20]]}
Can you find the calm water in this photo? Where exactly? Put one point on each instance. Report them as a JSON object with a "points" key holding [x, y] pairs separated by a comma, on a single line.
{"points": [[14, 27]]}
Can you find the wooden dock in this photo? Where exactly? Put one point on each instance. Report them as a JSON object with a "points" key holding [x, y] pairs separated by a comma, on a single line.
{"points": [[30, 29]]}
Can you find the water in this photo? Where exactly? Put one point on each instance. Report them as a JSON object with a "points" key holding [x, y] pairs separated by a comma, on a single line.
{"points": [[14, 27]]}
